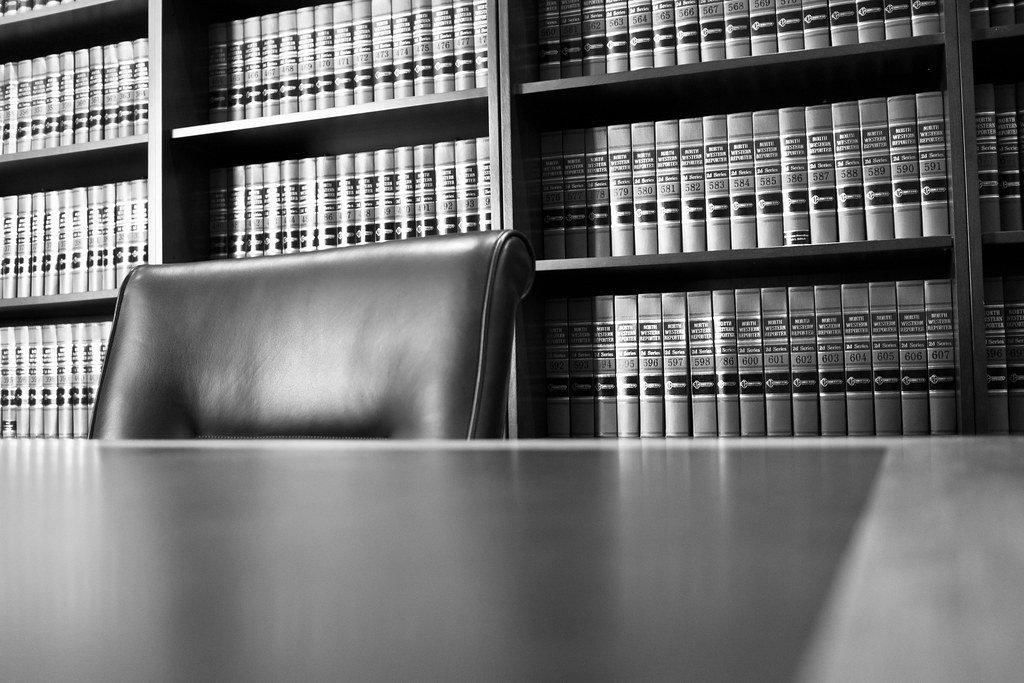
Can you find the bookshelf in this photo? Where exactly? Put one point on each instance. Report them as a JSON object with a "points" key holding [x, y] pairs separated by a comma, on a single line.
{"points": [[514, 110]]}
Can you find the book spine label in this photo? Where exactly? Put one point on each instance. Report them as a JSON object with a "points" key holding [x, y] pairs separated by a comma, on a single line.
{"points": [[620, 181], [599, 241], [712, 30], [605, 388], [727, 382], [691, 173], [675, 364], [768, 177], [940, 340], [552, 194], [570, 38], [777, 381], [906, 169], [763, 28], [1013, 294], [593, 38], [750, 357], [821, 174], [652, 376], [742, 191], [627, 366], [828, 314], [703, 382], [885, 358], [687, 31], [793, 136], [860, 413], [737, 29], [645, 188], [877, 169], [931, 144], [716, 182], [849, 175], [789, 25], [803, 361], [581, 367], [556, 345], [913, 357], [574, 180], [666, 141]]}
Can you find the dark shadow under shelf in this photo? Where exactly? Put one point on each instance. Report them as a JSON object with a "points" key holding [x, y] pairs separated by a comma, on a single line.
{"points": [[87, 163], [65, 307], [1003, 253], [82, 23]]}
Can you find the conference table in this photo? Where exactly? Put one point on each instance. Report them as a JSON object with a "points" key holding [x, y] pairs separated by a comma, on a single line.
{"points": [[803, 560]]}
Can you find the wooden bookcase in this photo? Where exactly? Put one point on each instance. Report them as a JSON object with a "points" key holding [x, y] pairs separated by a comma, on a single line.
{"points": [[514, 109]]}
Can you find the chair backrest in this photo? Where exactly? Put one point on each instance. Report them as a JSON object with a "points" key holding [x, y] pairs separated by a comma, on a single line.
{"points": [[405, 339]]}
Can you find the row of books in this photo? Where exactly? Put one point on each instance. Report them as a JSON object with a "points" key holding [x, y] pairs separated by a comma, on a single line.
{"points": [[1004, 353], [337, 201], [343, 53], [851, 359], [82, 239], [871, 169], [999, 126], [76, 96], [48, 378], [989, 13], [11, 7], [587, 37]]}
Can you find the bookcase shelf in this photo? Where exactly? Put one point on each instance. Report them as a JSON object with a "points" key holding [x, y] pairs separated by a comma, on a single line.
{"points": [[87, 163], [79, 306]]}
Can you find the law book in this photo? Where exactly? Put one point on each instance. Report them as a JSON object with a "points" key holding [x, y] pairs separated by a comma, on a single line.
{"points": [[828, 313], [627, 366], [742, 186], [447, 188], [468, 187], [821, 175], [35, 243], [549, 47], [1001, 12], [906, 167], [288, 59], [464, 44], [803, 361], [53, 83], [616, 16], [308, 82], [443, 27], [712, 30], [703, 381], [556, 355], [387, 187], [62, 251], [996, 389], [366, 213], [426, 191], [605, 387], [778, 386], [599, 241], [849, 174], [593, 40], [217, 79], [76, 391], [675, 363], [237, 235], [687, 31], [652, 373], [33, 381], [235, 74], [645, 188], [101, 226], [885, 358], [581, 367], [666, 143], [23, 109], [362, 50], [344, 64], [716, 182], [37, 110], [405, 201], [877, 169], [326, 202], [255, 209], [986, 138], [796, 224], [691, 175], [763, 28], [979, 14], [77, 240], [663, 13], [1008, 157], [7, 416], [816, 23], [22, 236], [323, 53], [931, 147], [48, 256], [737, 29], [422, 47], [620, 183], [750, 362], [48, 381], [252, 69], [641, 34], [118, 258], [348, 198], [19, 384], [913, 357], [768, 177], [897, 19], [8, 214], [290, 197], [552, 190], [842, 20], [941, 356], [789, 17], [856, 327], [219, 204], [723, 307], [62, 398], [574, 195], [925, 17], [404, 57], [483, 157], [1013, 310], [481, 51]]}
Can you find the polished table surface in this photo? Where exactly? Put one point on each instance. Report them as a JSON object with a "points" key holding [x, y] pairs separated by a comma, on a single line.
{"points": [[804, 560]]}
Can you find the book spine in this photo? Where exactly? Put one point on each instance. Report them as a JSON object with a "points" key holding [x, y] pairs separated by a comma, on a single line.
{"points": [[62, 353], [465, 48], [666, 143], [48, 256], [570, 38], [599, 240], [252, 70], [716, 182], [675, 362], [627, 366], [344, 66], [574, 180], [906, 167], [403, 49], [78, 240], [9, 216], [1013, 298], [104, 227], [53, 85], [997, 398], [443, 24], [616, 14], [885, 358], [877, 169], [897, 19], [581, 367], [35, 244], [931, 145], [620, 181], [702, 364], [447, 185], [19, 388], [821, 175], [21, 245], [423, 46], [605, 386], [118, 255], [552, 194], [348, 198], [723, 306], [255, 216], [405, 163], [483, 160], [23, 109], [217, 38], [925, 17], [750, 357], [323, 54], [828, 313], [641, 35], [849, 174], [548, 40], [712, 30], [127, 90], [1008, 157], [326, 202], [652, 374], [737, 29], [593, 38], [803, 361], [33, 382], [556, 345], [362, 49], [1001, 12], [37, 109], [942, 371], [816, 23], [426, 190], [366, 214], [387, 188], [842, 20], [793, 137], [305, 20], [913, 356], [691, 173], [789, 19], [742, 191], [236, 75], [7, 425], [860, 409], [687, 31], [778, 386], [763, 28], [481, 56], [645, 188], [290, 198], [288, 60], [768, 177], [663, 13], [979, 14], [62, 264], [48, 380], [468, 186]]}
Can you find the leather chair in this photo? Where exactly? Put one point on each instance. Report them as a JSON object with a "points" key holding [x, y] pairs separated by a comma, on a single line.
{"points": [[407, 339]]}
